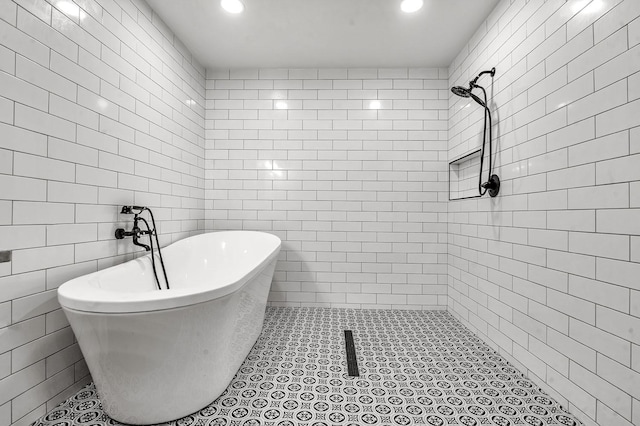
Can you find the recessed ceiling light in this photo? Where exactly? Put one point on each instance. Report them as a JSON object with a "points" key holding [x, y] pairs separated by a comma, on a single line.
{"points": [[410, 6], [232, 6]]}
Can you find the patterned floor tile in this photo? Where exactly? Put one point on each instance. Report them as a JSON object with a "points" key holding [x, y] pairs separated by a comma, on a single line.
{"points": [[416, 368]]}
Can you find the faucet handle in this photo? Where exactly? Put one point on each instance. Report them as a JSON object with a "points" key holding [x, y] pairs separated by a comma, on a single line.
{"points": [[121, 233]]}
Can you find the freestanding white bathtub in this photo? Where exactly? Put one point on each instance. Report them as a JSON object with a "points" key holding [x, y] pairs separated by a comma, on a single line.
{"points": [[159, 355]]}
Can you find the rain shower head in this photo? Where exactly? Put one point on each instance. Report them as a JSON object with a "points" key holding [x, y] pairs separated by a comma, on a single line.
{"points": [[466, 93]]}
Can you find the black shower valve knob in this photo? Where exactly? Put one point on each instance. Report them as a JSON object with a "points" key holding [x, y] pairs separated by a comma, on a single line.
{"points": [[492, 185]]}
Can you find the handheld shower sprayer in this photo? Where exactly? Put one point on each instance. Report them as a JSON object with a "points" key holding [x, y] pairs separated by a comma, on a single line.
{"points": [[130, 209], [493, 184]]}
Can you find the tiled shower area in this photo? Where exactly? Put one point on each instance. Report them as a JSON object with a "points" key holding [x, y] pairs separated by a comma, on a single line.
{"points": [[523, 309]]}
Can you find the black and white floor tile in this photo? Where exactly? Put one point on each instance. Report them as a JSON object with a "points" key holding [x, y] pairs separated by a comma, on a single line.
{"points": [[416, 368]]}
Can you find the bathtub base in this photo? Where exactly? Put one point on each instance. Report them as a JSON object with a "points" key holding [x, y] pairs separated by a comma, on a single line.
{"points": [[159, 366]]}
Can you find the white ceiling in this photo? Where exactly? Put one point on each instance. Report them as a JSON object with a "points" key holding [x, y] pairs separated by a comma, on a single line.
{"points": [[324, 33]]}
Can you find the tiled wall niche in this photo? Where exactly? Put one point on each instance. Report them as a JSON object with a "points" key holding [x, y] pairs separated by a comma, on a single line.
{"points": [[548, 272], [100, 106], [348, 167]]}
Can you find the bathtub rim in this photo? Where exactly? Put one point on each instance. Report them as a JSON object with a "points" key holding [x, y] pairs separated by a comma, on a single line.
{"points": [[77, 295]]}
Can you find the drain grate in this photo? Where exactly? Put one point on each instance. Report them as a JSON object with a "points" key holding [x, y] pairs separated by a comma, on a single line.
{"points": [[350, 346]]}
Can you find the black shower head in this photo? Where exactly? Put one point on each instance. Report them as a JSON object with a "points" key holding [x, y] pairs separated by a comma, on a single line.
{"points": [[466, 93], [477, 99], [461, 91]]}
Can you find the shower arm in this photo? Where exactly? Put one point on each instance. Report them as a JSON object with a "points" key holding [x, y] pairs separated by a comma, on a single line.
{"points": [[473, 82]]}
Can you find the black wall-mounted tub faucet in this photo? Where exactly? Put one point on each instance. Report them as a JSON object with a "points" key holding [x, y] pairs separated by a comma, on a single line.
{"points": [[136, 233]]}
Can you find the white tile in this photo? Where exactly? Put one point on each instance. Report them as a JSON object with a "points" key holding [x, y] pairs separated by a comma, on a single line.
{"points": [[608, 416], [33, 306], [16, 384], [43, 168], [617, 272], [577, 352], [617, 170], [606, 49], [602, 100], [620, 221], [552, 358], [600, 340], [625, 12], [8, 12], [634, 189], [572, 263], [635, 249], [571, 177], [613, 296], [41, 258], [6, 161], [6, 110], [572, 306], [22, 91], [625, 378], [5, 314], [634, 32], [72, 233], [569, 93], [619, 324], [602, 245], [37, 121], [63, 359], [44, 33], [24, 44], [634, 87], [555, 319], [21, 188], [588, 15], [58, 192], [572, 134], [41, 76], [72, 152], [17, 237], [59, 275], [573, 48], [618, 68], [620, 118], [548, 239], [36, 396], [572, 220], [602, 389], [591, 151], [42, 213], [69, 110]]}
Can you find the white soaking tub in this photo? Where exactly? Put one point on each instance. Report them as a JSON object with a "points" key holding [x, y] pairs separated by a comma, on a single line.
{"points": [[158, 355]]}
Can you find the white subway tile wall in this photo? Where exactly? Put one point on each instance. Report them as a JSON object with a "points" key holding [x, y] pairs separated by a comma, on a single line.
{"points": [[100, 106], [348, 167], [548, 272]]}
